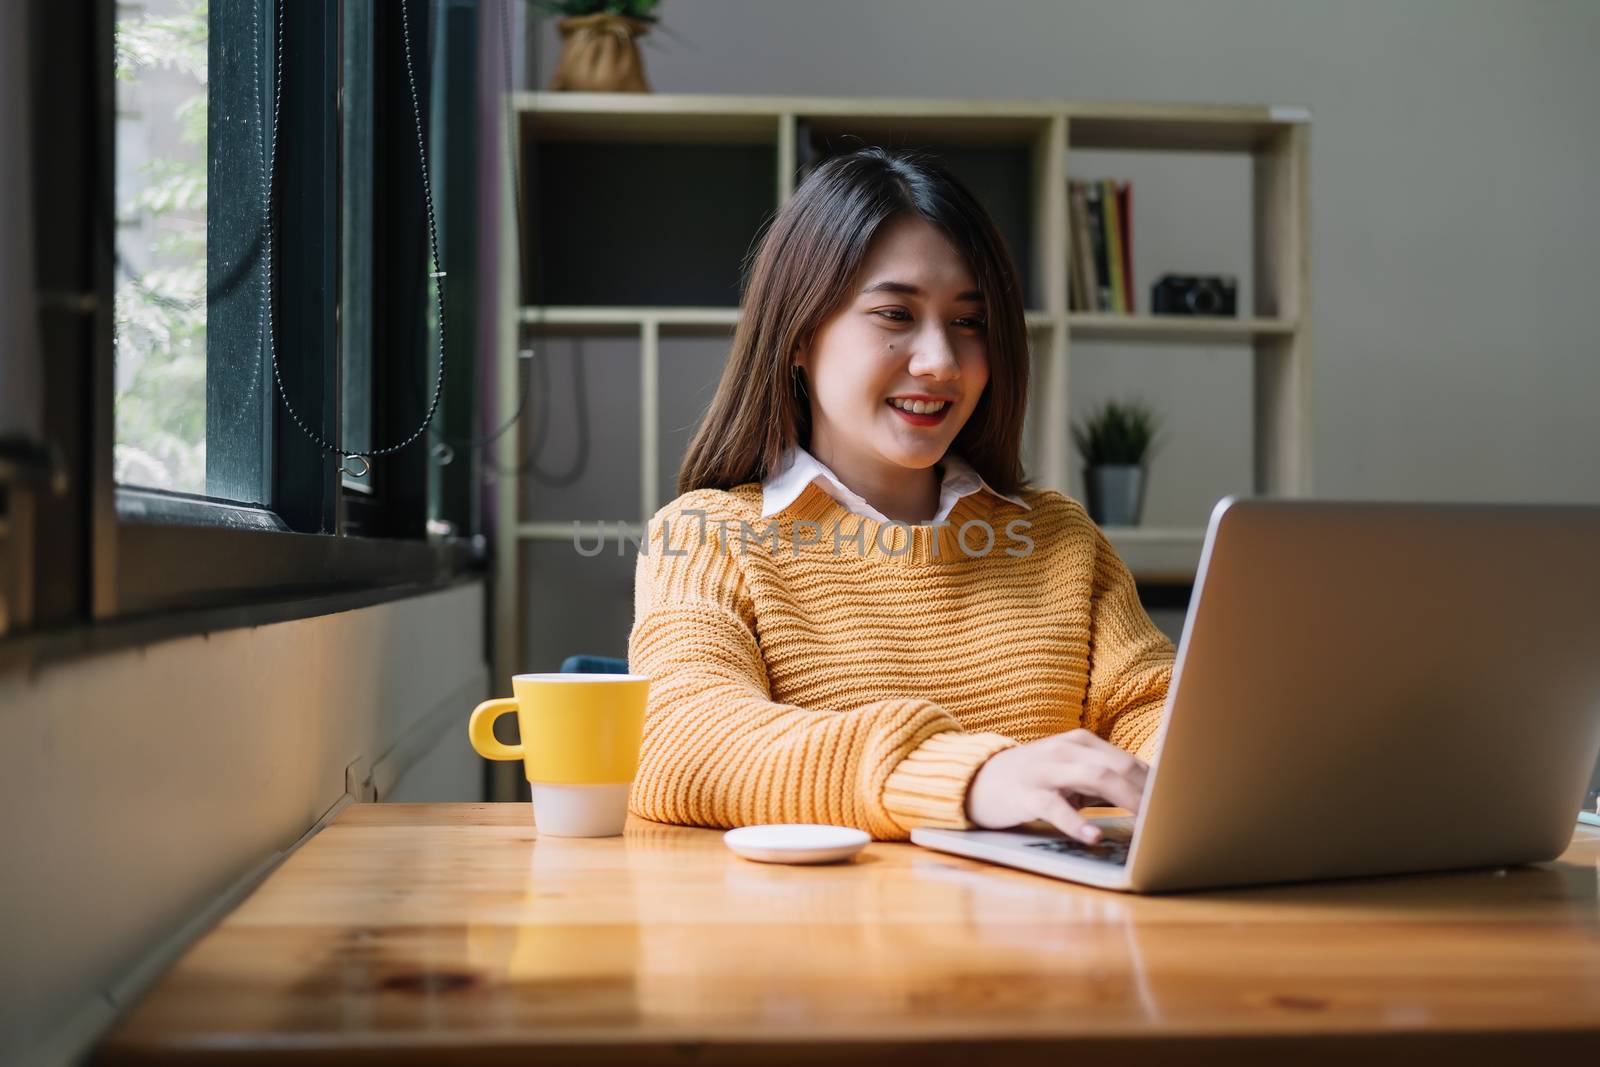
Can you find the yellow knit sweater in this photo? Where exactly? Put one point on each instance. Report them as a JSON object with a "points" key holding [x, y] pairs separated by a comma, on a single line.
{"points": [[820, 666]]}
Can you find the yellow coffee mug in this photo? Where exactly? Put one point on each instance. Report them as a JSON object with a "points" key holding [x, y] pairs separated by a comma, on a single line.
{"points": [[577, 729]]}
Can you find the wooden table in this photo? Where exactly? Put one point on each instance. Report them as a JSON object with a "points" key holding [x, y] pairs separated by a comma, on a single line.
{"points": [[451, 934]]}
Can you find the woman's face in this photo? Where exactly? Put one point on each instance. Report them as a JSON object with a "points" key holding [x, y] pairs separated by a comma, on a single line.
{"points": [[910, 327]]}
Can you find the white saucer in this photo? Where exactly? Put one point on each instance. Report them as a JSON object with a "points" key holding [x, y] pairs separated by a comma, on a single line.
{"points": [[796, 842]]}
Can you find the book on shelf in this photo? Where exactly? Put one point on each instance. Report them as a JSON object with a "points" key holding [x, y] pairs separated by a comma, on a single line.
{"points": [[1124, 192], [1082, 295], [1100, 231], [1113, 227], [1097, 242]]}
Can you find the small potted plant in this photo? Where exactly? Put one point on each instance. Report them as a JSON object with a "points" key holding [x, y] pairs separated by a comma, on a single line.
{"points": [[1116, 442], [599, 51]]}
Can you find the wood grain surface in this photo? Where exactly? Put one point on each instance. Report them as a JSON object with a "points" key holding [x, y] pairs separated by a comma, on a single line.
{"points": [[454, 934]]}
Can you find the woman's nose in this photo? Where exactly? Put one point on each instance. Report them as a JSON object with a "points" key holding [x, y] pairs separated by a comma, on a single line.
{"points": [[933, 354]]}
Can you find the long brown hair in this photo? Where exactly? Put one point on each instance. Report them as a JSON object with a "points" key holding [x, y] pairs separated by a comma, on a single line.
{"points": [[801, 270]]}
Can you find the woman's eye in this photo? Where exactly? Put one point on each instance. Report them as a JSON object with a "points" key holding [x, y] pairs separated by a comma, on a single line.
{"points": [[971, 322]]}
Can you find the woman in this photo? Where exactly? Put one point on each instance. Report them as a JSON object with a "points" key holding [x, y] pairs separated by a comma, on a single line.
{"points": [[857, 611]]}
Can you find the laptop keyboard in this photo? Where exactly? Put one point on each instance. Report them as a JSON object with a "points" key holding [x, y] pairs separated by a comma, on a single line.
{"points": [[1115, 840]]}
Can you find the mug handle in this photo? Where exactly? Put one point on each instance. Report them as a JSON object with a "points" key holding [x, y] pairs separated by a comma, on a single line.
{"points": [[480, 729]]}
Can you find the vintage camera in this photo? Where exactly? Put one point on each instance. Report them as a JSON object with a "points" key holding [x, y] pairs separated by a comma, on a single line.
{"points": [[1195, 294]]}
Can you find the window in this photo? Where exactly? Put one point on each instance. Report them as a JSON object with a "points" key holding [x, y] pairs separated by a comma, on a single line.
{"points": [[185, 405], [160, 279], [192, 406]]}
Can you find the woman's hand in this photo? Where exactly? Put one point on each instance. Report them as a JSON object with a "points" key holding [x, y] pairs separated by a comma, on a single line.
{"points": [[1051, 778]]}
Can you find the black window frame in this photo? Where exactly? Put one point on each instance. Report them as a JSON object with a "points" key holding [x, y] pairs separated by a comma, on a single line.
{"points": [[114, 564]]}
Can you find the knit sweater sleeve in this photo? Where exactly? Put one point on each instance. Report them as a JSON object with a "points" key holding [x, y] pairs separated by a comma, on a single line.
{"points": [[719, 751], [1130, 660]]}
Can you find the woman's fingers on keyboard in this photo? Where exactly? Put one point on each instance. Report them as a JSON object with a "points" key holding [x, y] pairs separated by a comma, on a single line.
{"points": [[1117, 757], [1080, 744], [1039, 779], [1060, 814], [1098, 779]]}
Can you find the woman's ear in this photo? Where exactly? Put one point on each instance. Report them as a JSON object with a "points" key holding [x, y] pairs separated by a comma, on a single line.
{"points": [[802, 348]]}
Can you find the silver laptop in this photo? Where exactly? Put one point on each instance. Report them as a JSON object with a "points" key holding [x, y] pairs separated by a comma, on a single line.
{"points": [[1360, 688]]}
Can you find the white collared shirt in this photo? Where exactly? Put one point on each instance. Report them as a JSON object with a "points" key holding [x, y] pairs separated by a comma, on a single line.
{"points": [[800, 468]]}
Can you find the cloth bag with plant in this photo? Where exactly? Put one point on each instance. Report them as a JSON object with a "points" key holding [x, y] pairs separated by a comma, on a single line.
{"points": [[599, 52]]}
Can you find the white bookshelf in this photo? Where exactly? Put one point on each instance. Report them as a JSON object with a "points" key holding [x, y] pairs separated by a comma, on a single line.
{"points": [[1031, 140]]}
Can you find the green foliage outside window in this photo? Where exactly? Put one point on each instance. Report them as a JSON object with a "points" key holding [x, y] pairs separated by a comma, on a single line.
{"points": [[160, 303]]}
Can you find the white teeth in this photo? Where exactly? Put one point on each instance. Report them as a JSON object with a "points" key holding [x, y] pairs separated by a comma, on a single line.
{"points": [[920, 407]]}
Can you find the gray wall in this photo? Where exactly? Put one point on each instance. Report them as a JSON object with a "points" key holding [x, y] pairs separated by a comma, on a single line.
{"points": [[1454, 145], [140, 790]]}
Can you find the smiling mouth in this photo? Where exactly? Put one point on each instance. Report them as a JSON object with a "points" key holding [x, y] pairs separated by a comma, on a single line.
{"points": [[919, 407], [924, 418]]}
